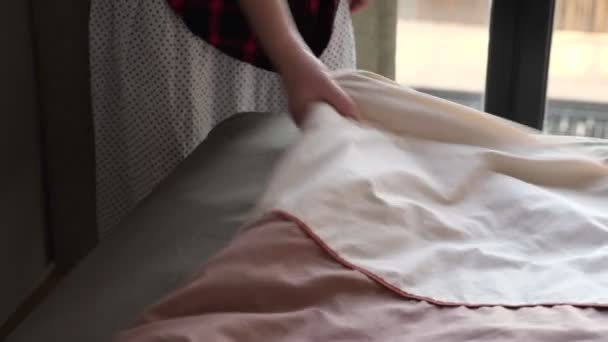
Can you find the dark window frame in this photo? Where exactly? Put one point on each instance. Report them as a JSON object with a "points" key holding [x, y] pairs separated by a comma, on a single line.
{"points": [[518, 60]]}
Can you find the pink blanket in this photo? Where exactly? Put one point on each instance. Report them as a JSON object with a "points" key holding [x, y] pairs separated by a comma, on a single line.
{"points": [[273, 283]]}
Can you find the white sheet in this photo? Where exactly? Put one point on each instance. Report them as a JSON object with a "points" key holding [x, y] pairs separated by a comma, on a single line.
{"points": [[443, 203]]}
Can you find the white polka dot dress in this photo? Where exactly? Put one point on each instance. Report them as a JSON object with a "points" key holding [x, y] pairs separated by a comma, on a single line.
{"points": [[158, 90]]}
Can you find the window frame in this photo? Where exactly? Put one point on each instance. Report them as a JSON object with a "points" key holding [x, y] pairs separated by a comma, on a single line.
{"points": [[518, 60]]}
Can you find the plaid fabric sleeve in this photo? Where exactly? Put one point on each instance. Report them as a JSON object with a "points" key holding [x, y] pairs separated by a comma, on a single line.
{"points": [[222, 24]]}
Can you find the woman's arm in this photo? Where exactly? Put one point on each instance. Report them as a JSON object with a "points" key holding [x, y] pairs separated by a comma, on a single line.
{"points": [[356, 5], [306, 79]]}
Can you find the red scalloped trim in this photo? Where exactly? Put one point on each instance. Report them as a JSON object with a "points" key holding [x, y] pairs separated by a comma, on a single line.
{"points": [[306, 229]]}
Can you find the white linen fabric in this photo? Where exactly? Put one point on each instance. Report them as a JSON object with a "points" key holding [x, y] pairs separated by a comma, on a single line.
{"points": [[158, 90], [443, 203]]}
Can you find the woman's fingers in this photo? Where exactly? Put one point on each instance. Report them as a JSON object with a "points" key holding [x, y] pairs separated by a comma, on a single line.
{"points": [[307, 82], [341, 101]]}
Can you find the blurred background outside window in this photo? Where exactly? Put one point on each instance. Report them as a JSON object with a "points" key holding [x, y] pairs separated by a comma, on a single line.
{"points": [[442, 50]]}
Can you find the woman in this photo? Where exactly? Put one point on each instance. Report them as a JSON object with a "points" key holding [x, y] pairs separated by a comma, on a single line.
{"points": [[164, 73]]}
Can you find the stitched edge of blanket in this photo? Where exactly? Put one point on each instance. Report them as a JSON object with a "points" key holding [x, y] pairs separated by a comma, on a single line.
{"points": [[283, 215]]}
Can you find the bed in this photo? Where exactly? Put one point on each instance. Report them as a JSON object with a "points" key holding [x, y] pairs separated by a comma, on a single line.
{"points": [[186, 220], [272, 282]]}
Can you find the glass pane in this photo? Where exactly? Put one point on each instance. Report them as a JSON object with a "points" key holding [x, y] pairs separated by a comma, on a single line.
{"points": [[442, 48], [578, 72]]}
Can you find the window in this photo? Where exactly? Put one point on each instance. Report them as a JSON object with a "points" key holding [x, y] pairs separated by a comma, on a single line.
{"points": [[578, 73], [442, 48], [542, 63]]}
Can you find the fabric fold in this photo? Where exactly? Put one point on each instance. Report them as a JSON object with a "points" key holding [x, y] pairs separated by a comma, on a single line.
{"points": [[439, 202]]}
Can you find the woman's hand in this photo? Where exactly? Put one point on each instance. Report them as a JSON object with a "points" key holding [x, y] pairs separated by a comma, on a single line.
{"points": [[308, 81], [356, 5], [305, 78]]}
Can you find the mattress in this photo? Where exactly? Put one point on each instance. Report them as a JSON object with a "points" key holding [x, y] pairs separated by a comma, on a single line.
{"points": [[194, 214]]}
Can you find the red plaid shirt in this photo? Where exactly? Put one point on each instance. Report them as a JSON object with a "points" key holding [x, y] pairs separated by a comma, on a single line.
{"points": [[222, 24]]}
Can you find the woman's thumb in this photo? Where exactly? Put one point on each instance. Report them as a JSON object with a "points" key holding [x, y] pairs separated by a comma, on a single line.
{"points": [[343, 103]]}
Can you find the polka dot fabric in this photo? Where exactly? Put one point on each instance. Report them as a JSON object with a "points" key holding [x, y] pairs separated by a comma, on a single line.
{"points": [[158, 90]]}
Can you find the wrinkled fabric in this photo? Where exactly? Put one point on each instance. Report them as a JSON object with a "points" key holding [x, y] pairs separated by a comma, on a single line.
{"points": [[273, 283], [442, 203]]}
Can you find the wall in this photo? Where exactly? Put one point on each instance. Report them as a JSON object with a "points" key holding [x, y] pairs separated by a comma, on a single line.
{"points": [[375, 33], [23, 243], [47, 162], [60, 30]]}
